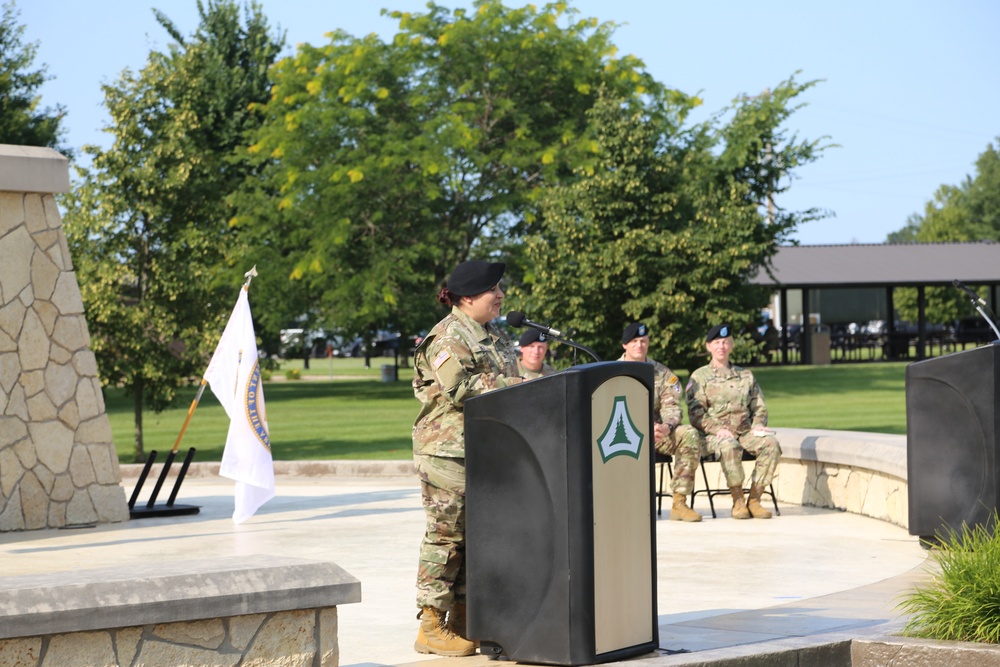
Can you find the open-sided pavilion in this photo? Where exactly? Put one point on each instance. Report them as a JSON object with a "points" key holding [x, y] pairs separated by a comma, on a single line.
{"points": [[880, 266]]}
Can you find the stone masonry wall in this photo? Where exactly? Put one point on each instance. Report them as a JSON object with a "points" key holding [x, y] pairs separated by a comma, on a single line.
{"points": [[58, 466], [300, 638], [820, 484]]}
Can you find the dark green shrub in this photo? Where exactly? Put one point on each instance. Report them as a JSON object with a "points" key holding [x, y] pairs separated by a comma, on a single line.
{"points": [[962, 600]]}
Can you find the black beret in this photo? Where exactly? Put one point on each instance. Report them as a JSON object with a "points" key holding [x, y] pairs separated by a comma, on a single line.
{"points": [[475, 277], [634, 330], [532, 336], [719, 331]]}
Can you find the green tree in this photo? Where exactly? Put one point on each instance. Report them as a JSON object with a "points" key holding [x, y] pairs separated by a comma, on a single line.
{"points": [[22, 121], [966, 212], [149, 223], [667, 227], [387, 163], [982, 196]]}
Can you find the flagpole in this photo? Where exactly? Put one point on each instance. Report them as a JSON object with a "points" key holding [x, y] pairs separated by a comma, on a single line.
{"points": [[170, 508], [187, 420], [249, 275]]}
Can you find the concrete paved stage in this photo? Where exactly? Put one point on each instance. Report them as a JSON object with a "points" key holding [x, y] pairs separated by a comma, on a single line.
{"points": [[726, 588]]}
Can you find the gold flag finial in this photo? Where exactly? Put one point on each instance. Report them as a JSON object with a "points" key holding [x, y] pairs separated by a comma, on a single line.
{"points": [[249, 275]]}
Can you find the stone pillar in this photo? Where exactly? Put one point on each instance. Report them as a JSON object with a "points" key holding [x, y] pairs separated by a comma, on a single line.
{"points": [[58, 466]]}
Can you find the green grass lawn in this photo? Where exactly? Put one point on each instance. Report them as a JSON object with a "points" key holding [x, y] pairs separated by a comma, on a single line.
{"points": [[363, 418], [848, 397], [356, 418]]}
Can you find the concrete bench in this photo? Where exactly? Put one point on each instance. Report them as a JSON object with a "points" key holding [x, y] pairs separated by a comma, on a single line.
{"points": [[223, 611]]}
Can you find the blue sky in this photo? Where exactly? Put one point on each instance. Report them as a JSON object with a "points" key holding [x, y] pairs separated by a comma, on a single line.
{"points": [[910, 91]]}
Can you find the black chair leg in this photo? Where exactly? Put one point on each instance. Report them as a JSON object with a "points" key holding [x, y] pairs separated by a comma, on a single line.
{"points": [[659, 494], [707, 491], [711, 501], [710, 492]]}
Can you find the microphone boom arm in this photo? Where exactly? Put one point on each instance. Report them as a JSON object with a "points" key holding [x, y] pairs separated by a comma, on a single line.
{"points": [[989, 320], [979, 305], [577, 346], [517, 319]]}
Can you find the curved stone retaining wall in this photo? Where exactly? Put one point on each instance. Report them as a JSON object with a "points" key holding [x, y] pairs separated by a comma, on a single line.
{"points": [[862, 473]]}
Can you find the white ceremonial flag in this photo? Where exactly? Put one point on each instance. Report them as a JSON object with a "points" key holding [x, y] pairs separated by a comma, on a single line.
{"points": [[234, 376]]}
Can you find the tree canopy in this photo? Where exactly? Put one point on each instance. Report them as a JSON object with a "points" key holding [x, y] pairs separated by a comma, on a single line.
{"points": [[969, 211], [358, 173], [149, 222], [667, 227], [386, 163], [23, 121]]}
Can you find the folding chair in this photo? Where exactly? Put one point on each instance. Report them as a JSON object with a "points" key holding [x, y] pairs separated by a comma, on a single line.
{"points": [[663, 460], [711, 492]]}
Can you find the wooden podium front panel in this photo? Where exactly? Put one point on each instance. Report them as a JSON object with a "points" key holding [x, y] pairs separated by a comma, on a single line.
{"points": [[621, 445]]}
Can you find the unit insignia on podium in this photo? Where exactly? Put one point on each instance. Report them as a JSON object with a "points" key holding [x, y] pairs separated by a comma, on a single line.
{"points": [[620, 435]]}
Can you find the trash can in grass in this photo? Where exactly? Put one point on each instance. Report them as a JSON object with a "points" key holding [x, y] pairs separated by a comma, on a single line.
{"points": [[389, 373], [819, 345]]}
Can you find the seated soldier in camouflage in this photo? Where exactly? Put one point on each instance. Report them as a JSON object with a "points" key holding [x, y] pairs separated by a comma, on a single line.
{"points": [[669, 435], [726, 405], [534, 346]]}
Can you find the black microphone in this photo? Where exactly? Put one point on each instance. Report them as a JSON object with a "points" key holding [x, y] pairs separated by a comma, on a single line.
{"points": [[965, 288], [517, 319]]}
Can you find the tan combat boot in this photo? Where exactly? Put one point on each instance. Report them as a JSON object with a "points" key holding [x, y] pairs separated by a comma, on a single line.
{"points": [[754, 506], [740, 510], [436, 637], [457, 622], [681, 512]]}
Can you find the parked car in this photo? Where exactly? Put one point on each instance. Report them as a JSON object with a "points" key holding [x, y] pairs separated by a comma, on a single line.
{"points": [[353, 348]]}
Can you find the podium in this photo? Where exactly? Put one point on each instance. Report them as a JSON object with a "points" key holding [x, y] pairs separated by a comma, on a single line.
{"points": [[560, 531], [953, 441]]}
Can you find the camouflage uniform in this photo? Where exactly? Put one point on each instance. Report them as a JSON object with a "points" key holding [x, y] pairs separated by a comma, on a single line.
{"points": [[684, 443], [731, 399], [532, 375], [458, 359]]}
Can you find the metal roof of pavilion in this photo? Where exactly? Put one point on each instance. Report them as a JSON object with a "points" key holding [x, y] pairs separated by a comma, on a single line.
{"points": [[883, 265]]}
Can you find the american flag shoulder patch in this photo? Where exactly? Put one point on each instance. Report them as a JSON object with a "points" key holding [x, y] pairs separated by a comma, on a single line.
{"points": [[442, 357]]}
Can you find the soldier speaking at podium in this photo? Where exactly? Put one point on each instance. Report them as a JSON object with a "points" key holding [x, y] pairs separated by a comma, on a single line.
{"points": [[464, 355]]}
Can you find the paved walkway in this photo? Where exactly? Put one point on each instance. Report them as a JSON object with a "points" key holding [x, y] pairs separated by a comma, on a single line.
{"points": [[725, 588]]}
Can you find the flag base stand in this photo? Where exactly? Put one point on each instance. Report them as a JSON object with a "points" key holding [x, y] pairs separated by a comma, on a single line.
{"points": [[151, 509], [163, 510]]}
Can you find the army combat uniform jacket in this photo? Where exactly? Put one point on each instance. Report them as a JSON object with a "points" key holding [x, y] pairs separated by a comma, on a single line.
{"points": [[683, 442], [725, 398], [730, 398], [667, 394], [458, 359]]}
